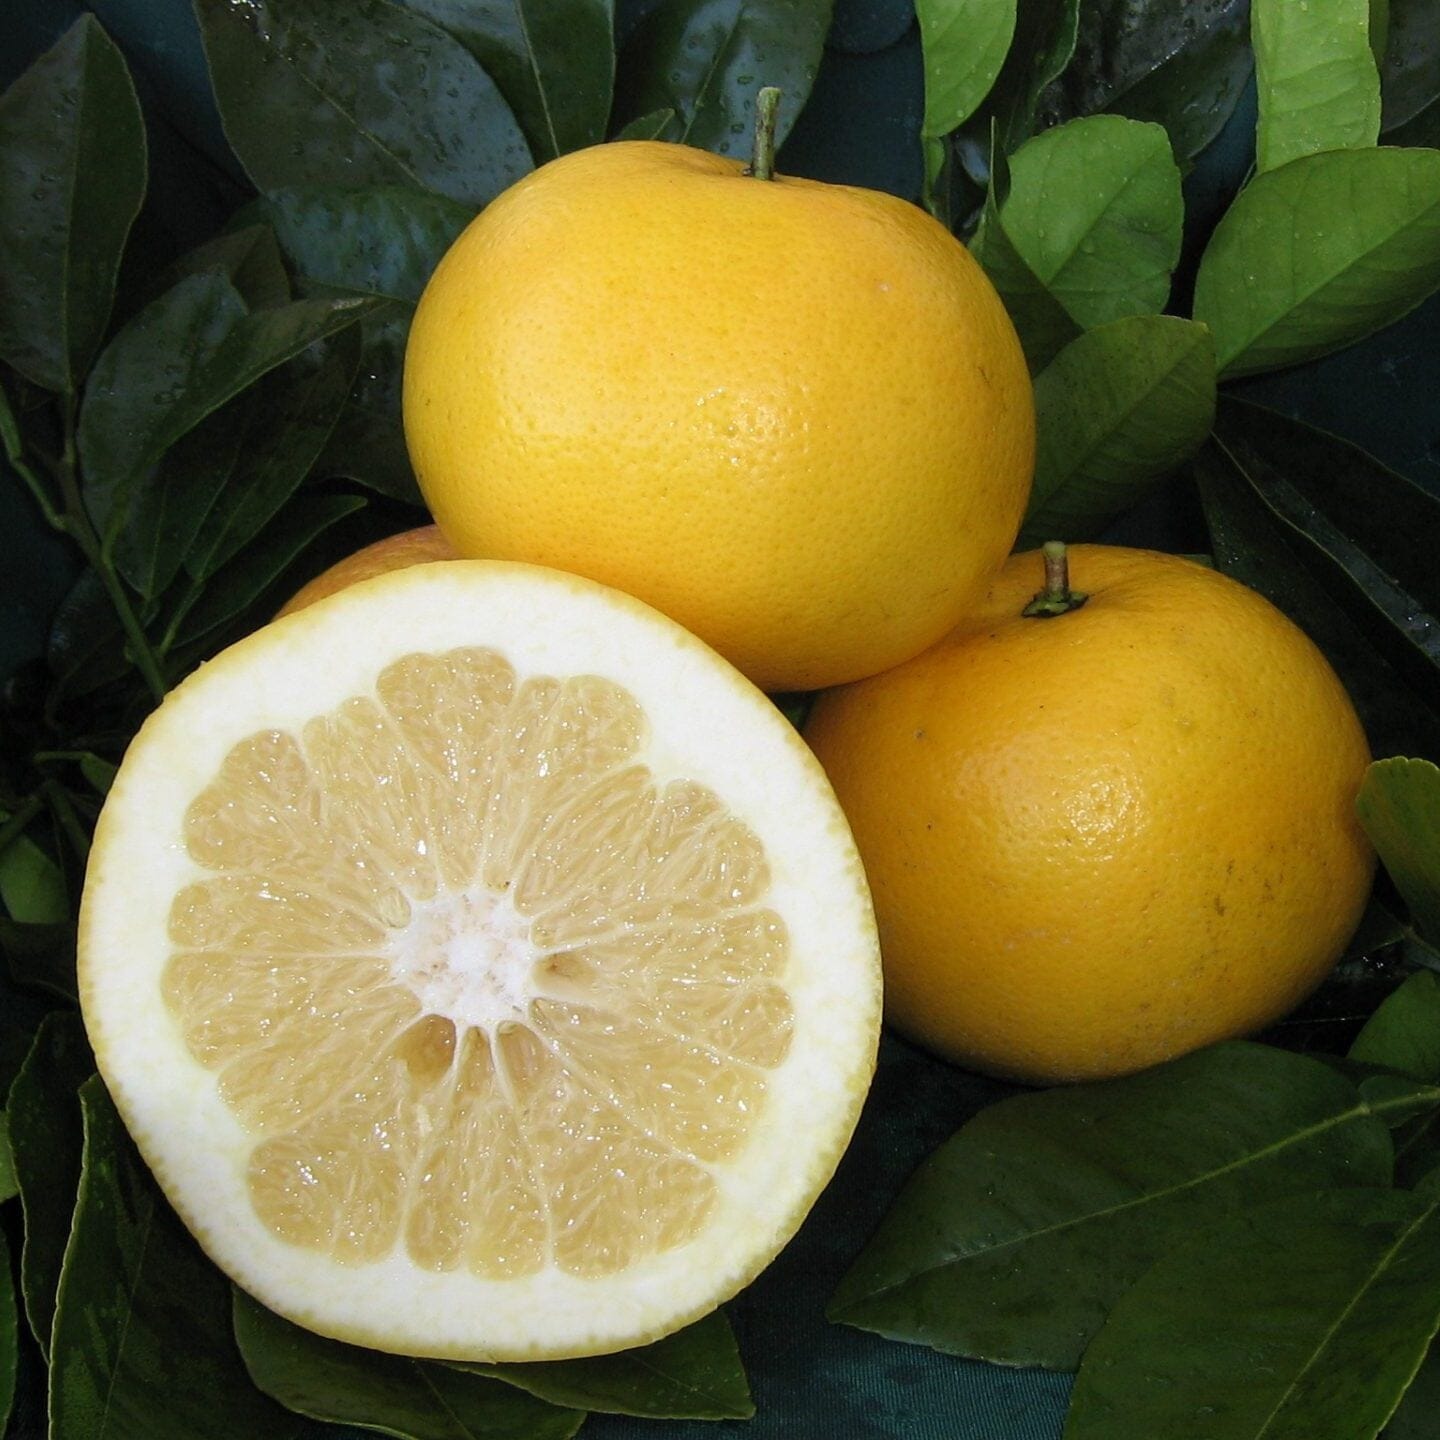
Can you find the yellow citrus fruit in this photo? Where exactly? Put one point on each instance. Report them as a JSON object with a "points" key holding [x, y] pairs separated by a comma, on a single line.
{"points": [[482, 964], [410, 547], [1102, 839], [793, 416]]}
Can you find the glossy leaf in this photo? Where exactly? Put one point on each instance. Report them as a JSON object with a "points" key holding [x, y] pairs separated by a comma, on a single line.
{"points": [[176, 362], [1385, 513], [1041, 321], [1399, 805], [415, 1399], [1350, 520], [72, 176], [1316, 79], [46, 1138], [142, 1317], [1304, 1317], [1250, 541], [964, 43], [1094, 210], [225, 480], [1015, 1238], [554, 61], [694, 1374], [248, 577], [1403, 1033], [368, 443], [366, 93], [291, 416], [249, 255], [1410, 67], [1180, 66], [705, 60], [85, 648], [1121, 406], [1318, 254], [383, 241]]}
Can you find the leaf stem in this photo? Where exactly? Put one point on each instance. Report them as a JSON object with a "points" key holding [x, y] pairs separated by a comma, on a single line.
{"points": [[762, 156]]}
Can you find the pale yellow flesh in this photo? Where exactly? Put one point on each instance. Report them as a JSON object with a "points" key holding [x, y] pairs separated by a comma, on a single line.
{"points": [[479, 986]]}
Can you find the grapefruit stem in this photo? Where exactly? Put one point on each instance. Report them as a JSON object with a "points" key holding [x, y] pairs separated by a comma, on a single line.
{"points": [[1057, 598], [762, 156]]}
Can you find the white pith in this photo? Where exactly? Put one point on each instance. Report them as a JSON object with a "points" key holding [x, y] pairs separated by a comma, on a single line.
{"points": [[706, 724]]}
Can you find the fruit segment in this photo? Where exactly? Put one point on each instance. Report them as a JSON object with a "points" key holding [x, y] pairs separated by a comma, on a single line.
{"points": [[479, 983]]}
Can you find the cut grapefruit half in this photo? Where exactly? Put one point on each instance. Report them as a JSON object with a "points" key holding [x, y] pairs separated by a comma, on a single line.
{"points": [[481, 964]]}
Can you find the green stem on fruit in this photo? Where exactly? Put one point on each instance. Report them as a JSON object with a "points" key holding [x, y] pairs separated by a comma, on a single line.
{"points": [[1057, 598], [762, 156]]}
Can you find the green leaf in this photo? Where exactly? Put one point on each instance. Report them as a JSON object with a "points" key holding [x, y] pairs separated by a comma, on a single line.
{"points": [[72, 176], [1118, 408], [1414, 1417], [647, 127], [368, 443], [1399, 806], [142, 1317], [1316, 79], [178, 360], [9, 1336], [247, 577], [293, 413], [85, 648], [1384, 513], [383, 241], [368, 91], [1304, 1317], [250, 256], [1251, 541], [100, 773], [1363, 530], [1040, 320], [705, 59], [1410, 65], [1180, 66], [1318, 254], [46, 1137], [1015, 1238], [964, 43], [1403, 1033], [694, 1374], [1094, 210], [554, 61], [32, 885], [413, 1399]]}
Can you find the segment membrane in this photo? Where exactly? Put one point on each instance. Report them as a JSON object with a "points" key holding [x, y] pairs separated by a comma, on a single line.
{"points": [[618, 983]]}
